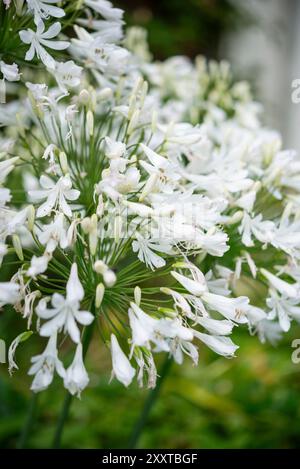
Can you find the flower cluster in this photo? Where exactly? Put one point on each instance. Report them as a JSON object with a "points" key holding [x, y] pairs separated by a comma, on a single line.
{"points": [[146, 198]]}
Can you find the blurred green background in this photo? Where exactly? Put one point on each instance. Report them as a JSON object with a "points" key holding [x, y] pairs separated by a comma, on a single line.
{"points": [[251, 401]]}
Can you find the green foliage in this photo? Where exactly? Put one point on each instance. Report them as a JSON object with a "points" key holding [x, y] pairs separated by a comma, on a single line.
{"points": [[249, 402]]}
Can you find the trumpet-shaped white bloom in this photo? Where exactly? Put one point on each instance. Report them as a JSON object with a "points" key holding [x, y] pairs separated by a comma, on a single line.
{"points": [[54, 234], [66, 311], [40, 39], [67, 75], [76, 378], [10, 72], [56, 195], [287, 289], [122, 368], [44, 365], [9, 293], [106, 9], [146, 329], [6, 167], [219, 344], [38, 265]]}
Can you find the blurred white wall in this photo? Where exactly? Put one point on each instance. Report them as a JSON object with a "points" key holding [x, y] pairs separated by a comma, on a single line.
{"points": [[267, 52]]}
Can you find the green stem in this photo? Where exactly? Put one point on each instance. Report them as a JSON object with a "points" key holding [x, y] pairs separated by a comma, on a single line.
{"points": [[22, 442], [88, 333], [149, 403]]}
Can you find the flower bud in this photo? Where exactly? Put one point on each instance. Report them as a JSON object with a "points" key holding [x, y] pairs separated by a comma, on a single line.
{"points": [[100, 267], [93, 238], [109, 278], [100, 206], [118, 225], [84, 97], [132, 106], [86, 225], [30, 217], [137, 295], [99, 294], [18, 247], [90, 122], [149, 186], [144, 92], [133, 121], [105, 94], [153, 121], [63, 162]]}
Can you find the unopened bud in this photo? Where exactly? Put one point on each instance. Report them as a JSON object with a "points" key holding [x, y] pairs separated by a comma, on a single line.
{"points": [[99, 294], [236, 217], [18, 247], [84, 97], [100, 206], [30, 217], [149, 186], [144, 93], [133, 121], [100, 267], [118, 225], [86, 225], [90, 122], [132, 106], [154, 121], [93, 235], [63, 162], [109, 278], [104, 94], [137, 295]]}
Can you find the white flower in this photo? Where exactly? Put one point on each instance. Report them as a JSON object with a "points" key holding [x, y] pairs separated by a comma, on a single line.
{"points": [[110, 60], [56, 195], [12, 350], [263, 230], [122, 368], [67, 75], [115, 184], [44, 365], [10, 72], [145, 329], [7, 3], [9, 293], [39, 38], [195, 287], [106, 9], [214, 326], [114, 149], [234, 309], [6, 167], [65, 311], [167, 171], [283, 287], [38, 265], [285, 309], [145, 249], [76, 378], [43, 9], [54, 234], [219, 344]]}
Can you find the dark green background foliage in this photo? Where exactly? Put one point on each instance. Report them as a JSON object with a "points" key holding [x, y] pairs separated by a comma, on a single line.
{"points": [[185, 27], [251, 401]]}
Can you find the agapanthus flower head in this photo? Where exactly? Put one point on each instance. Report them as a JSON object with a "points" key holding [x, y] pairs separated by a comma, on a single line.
{"points": [[148, 195]]}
